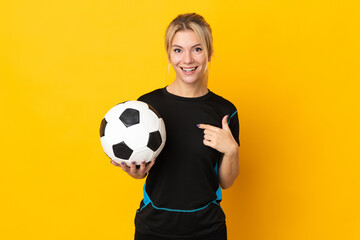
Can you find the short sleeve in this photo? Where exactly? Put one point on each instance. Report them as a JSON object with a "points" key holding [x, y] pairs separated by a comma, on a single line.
{"points": [[234, 126]]}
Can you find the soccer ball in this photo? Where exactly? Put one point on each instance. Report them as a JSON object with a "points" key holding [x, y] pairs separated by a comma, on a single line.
{"points": [[132, 131]]}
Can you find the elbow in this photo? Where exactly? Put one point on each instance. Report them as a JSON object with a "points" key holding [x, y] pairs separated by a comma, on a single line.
{"points": [[225, 186], [227, 183]]}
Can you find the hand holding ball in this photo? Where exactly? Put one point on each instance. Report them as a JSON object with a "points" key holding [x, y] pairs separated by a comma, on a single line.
{"points": [[132, 131]]}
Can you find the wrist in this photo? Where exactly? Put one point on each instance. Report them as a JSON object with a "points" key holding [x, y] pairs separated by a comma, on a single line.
{"points": [[140, 176], [233, 151]]}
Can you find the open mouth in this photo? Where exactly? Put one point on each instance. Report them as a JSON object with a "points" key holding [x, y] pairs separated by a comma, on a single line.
{"points": [[188, 69]]}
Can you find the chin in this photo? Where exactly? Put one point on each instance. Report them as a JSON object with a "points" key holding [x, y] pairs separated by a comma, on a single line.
{"points": [[191, 81]]}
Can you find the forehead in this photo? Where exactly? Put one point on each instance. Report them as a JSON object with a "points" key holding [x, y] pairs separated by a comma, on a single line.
{"points": [[185, 38]]}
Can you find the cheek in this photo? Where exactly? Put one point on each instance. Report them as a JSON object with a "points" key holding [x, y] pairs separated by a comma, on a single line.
{"points": [[201, 59], [175, 60]]}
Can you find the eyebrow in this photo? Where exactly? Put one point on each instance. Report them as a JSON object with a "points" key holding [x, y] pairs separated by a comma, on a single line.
{"points": [[182, 47]]}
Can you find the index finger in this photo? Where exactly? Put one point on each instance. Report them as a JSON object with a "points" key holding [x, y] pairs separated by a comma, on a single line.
{"points": [[147, 169], [207, 127]]}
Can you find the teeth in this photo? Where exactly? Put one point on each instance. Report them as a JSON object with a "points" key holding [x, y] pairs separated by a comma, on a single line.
{"points": [[188, 69]]}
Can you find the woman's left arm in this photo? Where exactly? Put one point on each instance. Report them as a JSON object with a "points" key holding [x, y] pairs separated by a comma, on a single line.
{"points": [[222, 140], [229, 168]]}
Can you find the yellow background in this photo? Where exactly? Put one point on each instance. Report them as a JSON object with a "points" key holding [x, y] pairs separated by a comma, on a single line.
{"points": [[290, 67]]}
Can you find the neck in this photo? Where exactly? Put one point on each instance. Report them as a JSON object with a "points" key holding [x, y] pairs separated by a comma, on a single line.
{"points": [[188, 90]]}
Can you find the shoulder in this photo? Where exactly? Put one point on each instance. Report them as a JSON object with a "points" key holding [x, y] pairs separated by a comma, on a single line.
{"points": [[222, 103], [228, 108], [151, 95]]}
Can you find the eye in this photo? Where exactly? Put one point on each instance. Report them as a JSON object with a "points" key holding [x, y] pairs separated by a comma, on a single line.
{"points": [[198, 49], [177, 50]]}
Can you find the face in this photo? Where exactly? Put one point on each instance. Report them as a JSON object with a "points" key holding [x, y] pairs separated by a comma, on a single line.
{"points": [[188, 57]]}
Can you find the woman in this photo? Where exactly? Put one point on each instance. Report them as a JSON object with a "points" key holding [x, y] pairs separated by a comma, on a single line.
{"points": [[182, 192]]}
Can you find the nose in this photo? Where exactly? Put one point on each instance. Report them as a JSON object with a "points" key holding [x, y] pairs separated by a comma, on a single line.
{"points": [[188, 58]]}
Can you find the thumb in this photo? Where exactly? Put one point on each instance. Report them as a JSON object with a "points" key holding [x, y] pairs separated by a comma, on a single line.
{"points": [[225, 125]]}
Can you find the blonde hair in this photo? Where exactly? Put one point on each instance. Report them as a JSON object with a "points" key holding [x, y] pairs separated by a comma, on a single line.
{"points": [[194, 22]]}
